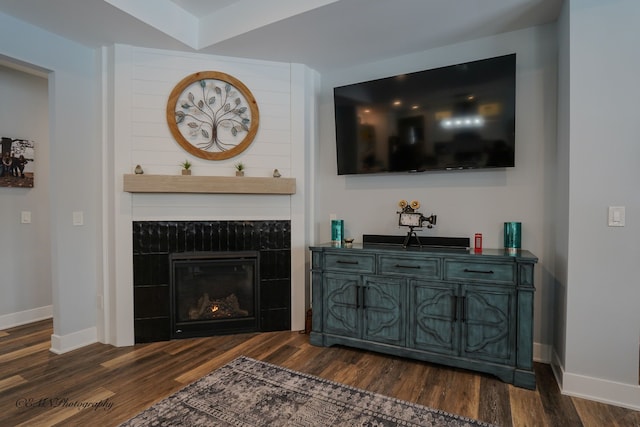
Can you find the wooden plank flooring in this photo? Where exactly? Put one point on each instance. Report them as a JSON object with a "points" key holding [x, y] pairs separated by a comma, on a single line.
{"points": [[40, 388]]}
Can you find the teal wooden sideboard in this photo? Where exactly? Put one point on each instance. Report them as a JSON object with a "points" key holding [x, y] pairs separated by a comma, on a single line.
{"points": [[457, 308]]}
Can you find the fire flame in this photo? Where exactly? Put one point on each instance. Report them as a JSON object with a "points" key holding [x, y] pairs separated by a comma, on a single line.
{"points": [[214, 308]]}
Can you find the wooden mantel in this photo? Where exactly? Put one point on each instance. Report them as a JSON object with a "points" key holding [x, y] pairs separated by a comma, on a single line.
{"points": [[207, 184]]}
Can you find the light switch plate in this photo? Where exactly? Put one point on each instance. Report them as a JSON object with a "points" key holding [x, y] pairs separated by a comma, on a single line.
{"points": [[25, 217], [78, 218], [616, 216]]}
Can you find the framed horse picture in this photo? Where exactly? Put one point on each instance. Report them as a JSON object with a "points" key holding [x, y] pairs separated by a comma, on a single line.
{"points": [[17, 162]]}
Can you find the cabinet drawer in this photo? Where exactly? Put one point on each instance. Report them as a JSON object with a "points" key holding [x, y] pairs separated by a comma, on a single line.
{"points": [[428, 268], [502, 273], [361, 263]]}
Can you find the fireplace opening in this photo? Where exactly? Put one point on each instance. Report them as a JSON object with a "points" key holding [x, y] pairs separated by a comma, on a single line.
{"points": [[214, 293]]}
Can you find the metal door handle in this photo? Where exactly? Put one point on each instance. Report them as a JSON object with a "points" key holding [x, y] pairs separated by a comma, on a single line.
{"points": [[466, 270]]}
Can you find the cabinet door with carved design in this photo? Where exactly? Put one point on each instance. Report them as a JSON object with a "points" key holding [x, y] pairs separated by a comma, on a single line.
{"points": [[383, 301], [433, 317], [342, 315], [488, 323]]}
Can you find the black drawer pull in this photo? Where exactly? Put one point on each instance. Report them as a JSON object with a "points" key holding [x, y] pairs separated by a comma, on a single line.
{"points": [[347, 262], [408, 266], [466, 270]]}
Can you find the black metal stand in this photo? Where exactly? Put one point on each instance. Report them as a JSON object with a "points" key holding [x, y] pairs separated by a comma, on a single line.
{"points": [[410, 233]]}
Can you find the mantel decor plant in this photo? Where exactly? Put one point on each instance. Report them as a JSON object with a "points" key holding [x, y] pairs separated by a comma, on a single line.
{"points": [[186, 167], [212, 115], [239, 168]]}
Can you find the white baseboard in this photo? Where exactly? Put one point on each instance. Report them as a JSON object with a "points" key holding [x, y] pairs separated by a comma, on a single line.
{"points": [[597, 389], [64, 343], [23, 317], [605, 391]]}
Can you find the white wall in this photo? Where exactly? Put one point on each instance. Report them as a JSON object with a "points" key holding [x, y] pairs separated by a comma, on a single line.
{"points": [[142, 105], [73, 134], [466, 202], [25, 260], [561, 216], [602, 316], [142, 81]]}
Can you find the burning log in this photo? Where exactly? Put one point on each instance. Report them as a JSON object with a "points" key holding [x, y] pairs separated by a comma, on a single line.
{"points": [[207, 308]]}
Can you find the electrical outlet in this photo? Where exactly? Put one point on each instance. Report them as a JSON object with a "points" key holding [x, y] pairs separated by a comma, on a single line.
{"points": [[616, 216]]}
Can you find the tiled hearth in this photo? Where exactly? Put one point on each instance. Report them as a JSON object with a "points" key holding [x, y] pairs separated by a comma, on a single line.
{"points": [[154, 241]]}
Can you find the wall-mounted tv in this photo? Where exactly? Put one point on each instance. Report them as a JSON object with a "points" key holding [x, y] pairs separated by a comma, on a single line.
{"points": [[450, 118]]}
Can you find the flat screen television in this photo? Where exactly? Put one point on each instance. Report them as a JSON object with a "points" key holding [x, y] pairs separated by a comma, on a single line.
{"points": [[449, 118]]}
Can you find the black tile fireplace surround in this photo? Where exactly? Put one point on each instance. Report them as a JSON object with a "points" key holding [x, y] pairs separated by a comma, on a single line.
{"points": [[154, 241]]}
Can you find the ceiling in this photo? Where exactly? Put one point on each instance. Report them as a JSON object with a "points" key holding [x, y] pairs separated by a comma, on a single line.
{"points": [[323, 34]]}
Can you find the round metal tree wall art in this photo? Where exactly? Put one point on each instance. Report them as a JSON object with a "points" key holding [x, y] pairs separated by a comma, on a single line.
{"points": [[212, 115]]}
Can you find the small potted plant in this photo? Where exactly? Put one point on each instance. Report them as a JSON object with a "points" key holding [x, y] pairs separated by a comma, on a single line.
{"points": [[186, 167], [239, 169]]}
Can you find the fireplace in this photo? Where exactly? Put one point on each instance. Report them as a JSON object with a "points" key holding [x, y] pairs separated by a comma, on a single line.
{"points": [[155, 243], [213, 293]]}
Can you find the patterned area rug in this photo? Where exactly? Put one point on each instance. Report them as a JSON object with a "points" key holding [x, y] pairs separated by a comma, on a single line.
{"points": [[247, 392]]}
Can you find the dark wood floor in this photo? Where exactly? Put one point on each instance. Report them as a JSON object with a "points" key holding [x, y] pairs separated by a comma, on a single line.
{"points": [[38, 387]]}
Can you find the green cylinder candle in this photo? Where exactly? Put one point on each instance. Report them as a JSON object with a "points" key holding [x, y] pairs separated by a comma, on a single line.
{"points": [[512, 236], [337, 231]]}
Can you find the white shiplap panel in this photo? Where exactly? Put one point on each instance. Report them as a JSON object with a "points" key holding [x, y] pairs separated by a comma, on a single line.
{"points": [[154, 75], [163, 161], [150, 100], [274, 135], [275, 110], [172, 68], [271, 149], [151, 143], [151, 87], [148, 114], [173, 213], [151, 107], [149, 96], [152, 129], [270, 80], [275, 122], [261, 155], [271, 116], [144, 141], [237, 201], [161, 59], [210, 207], [253, 169], [218, 170], [271, 97], [267, 121], [149, 130], [201, 214]]}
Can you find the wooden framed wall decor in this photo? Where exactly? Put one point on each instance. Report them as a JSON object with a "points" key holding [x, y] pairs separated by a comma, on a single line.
{"points": [[17, 157], [212, 115]]}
